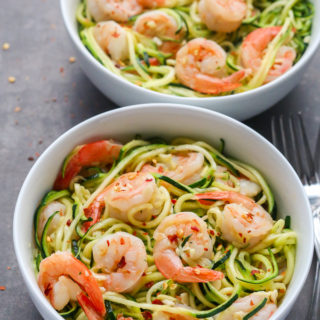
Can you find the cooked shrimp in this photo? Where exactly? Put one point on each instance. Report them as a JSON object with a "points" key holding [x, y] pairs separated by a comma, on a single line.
{"points": [[168, 249], [100, 152], [183, 168], [243, 306], [128, 191], [117, 10], [62, 278], [45, 214], [163, 3], [249, 188], [160, 24], [222, 15], [201, 65], [112, 38], [244, 223], [121, 257], [253, 48]]}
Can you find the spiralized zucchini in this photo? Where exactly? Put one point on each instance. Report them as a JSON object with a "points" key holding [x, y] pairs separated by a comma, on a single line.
{"points": [[151, 68], [266, 266]]}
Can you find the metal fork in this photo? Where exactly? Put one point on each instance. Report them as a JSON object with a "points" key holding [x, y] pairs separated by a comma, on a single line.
{"points": [[289, 136]]}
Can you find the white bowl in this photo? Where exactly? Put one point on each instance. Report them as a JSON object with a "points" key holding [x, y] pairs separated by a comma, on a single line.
{"points": [[240, 106], [162, 120]]}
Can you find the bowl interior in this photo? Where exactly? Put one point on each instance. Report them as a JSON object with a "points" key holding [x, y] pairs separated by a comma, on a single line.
{"points": [[69, 12], [168, 121]]}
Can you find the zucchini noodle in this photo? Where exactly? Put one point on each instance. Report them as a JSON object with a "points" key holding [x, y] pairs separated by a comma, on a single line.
{"points": [[265, 265], [150, 62]]}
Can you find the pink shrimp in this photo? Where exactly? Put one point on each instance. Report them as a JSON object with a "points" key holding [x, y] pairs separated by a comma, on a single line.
{"points": [[244, 223], [201, 65], [222, 15], [62, 278], [129, 190], [253, 48], [121, 259], [169, 236], [183, 168], [243, 306], [100, 152], [117, 10]]}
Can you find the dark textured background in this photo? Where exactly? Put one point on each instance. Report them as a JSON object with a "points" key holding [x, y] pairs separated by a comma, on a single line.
{"points": [[54, 95]]}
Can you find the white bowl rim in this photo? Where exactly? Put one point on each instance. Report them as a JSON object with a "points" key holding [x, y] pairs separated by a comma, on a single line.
{"points": [[282, 310], [307, 55]]}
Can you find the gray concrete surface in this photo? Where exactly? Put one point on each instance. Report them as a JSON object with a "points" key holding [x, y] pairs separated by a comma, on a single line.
{"points": [[51, 95]]}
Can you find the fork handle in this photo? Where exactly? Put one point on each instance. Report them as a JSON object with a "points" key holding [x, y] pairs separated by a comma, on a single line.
{"points": [[314, 307]]}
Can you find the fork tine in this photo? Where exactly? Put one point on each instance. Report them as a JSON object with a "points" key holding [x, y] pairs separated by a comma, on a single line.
{"points": [[311, 175], [283, 137], [297, 159]]}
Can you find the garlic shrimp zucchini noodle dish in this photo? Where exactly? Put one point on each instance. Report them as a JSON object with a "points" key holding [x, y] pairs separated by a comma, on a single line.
{"points": [[196, 48], [158, 230]]}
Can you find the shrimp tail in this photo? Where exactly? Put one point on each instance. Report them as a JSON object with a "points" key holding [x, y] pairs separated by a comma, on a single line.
{"points": [[214, 85], [105, 151], [93, 212], [89, 309], [197, 274]]}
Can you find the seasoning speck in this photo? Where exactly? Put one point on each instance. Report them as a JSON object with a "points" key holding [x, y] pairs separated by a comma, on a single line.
{"points": [[17, 109], [6, 46], [31, 158], [72, 59], [12, 79], [2, 288], [9, 268]]}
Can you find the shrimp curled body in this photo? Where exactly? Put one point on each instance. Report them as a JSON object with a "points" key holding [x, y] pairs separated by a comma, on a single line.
{"points": [[169, 237], [201, 65], [112, 38], [128, 191], [243, 306], [244, 223], [117, 10], [62, 278], [253, 48], [222, 15], [122, 259], [183, 168]]}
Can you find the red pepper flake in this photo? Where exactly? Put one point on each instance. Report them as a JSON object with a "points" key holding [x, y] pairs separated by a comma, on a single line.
{"points": [[2, 288], [282, 290], [108, 243], [134, 232], [211, 232], [149, 284], [174, 201], [147, 315], [249, 231], [240, 234], [149, 180], [31, 158], [161, 169], [157, 301], [254, 272], [144, 224], [172, 238], [206, 249], [251, 303], [195, 229], [143, 274], [153, 217], [122, 263], [145, 233], [68, 222], [244, 240], [122, 241]]}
